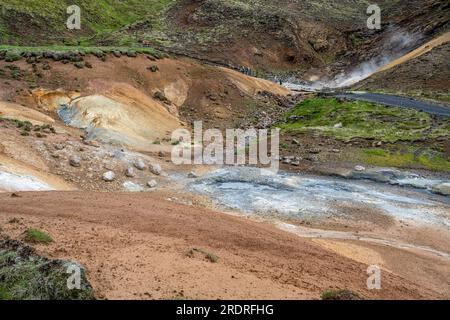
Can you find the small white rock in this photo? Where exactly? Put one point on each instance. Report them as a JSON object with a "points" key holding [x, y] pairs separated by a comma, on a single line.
{"points": [[109, 176], [192, 175], [140, 164], [152, 184], [360, 168], [338, 125]]}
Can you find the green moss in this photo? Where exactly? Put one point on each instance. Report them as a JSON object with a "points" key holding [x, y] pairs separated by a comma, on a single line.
{"points": [[361, 120], [425, 159], [37, 236], [97, 17], [12, 55]]}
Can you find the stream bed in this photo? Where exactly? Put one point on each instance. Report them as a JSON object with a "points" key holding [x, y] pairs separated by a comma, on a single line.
{"points": [[290, 196]]}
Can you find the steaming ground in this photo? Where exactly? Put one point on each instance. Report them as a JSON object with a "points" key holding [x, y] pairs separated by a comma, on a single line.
{"points": [[400, 48], [307, 198]]}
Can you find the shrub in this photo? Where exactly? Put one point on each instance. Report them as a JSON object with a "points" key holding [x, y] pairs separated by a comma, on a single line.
{"points": [[341, 294]]}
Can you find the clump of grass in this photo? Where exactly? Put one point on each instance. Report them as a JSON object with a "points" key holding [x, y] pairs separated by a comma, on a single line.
{"points": [[37, 236], [212, 257], [340, 294], [206, 255]]}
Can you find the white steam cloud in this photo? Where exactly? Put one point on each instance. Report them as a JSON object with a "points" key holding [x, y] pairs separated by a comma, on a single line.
{"points": [[396, 46]]}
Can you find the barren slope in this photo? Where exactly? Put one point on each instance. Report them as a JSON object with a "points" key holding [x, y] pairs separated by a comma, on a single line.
{"points": [[138, 246]]}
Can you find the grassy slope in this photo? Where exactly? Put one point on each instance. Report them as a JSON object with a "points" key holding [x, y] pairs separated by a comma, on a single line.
{"points": [[374, 122], [97, 17], [363, 120], [102, 17]]}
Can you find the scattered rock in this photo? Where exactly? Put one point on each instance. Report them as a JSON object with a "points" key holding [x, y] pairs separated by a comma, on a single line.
{"points": [[161, 154], [338, 125], [314, 151], [442, 189], [130, 173], [75, 161], [336, 151], [192, 175], [140, 164], [156, 169], [152, 184], [287, 159], [295, 141], [153, 68], [312, 158], [109, 176]]}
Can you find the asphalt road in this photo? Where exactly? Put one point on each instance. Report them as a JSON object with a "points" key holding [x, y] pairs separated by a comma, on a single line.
{"points": [[397, 101]]}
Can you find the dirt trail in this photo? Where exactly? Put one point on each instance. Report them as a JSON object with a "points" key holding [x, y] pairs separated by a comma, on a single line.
{"points": [[137, 245]]}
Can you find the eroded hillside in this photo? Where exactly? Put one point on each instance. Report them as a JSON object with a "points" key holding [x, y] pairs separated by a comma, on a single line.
{"points": [[260, 35]]}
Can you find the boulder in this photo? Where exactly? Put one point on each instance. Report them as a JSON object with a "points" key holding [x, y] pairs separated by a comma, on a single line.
{"points": [[109, 176], [75, 161], [360, 168], [140, 164], [59, 146], [156, 169], [130, 173], [443, 189]]}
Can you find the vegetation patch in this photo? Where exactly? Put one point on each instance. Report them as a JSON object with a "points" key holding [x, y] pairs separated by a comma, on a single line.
{"points": [[24, 275], [73, 53], [341, 294], [346, 120], [410, 158], [37, 236], [206, 255]]}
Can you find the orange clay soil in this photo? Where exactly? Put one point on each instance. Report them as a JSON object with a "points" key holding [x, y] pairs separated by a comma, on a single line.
{"points": [[137, 246]]}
